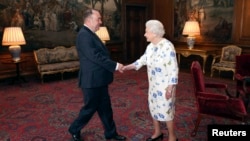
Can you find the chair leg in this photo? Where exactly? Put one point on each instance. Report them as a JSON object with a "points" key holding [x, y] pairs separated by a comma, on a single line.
{"points": [[199, 117], [42, 78], [212, 73], [247, 101], [237, 94], [62, 75], [233, 74], [228, 94]]}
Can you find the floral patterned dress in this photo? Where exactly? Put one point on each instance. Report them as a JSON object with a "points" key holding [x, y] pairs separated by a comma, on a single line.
{"points": [[162, 69]]}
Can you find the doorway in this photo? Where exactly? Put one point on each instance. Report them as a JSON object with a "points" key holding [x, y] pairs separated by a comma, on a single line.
{"points": [[134, 32]]}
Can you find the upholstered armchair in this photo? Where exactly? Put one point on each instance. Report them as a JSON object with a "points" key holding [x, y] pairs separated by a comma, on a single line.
{"points": [[210, 103], [225, 61], [242, 76]]}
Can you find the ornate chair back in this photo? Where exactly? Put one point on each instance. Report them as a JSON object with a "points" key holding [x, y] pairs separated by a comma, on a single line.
{"points": [[227, 59]]}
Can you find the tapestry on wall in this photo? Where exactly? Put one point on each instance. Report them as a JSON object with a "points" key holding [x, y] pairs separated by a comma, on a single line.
{"points": [[47, 23], [215, 18]]}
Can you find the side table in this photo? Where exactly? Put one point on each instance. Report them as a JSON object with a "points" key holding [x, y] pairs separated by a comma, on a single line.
{"points": [[202, 51], [18, 78]]}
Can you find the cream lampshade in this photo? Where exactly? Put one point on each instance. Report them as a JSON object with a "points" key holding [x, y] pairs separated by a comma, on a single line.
{"points": [[191, 28], [13, 37], [103, 34]]}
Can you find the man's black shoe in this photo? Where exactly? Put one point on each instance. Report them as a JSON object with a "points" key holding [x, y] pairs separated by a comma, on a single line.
{"points": [[119, 138], [76, 137]]}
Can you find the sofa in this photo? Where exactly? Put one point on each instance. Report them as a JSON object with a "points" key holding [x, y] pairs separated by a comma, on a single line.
{"points": [[59, 59]]}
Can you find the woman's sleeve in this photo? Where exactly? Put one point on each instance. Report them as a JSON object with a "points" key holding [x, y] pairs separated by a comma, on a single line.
{"points": [[141, 61], [172, 65]]}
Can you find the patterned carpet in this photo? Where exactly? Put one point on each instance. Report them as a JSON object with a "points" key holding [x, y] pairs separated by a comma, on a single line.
{"points": [[43, 112]]}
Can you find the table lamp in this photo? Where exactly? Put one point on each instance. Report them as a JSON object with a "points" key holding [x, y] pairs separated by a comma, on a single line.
{"points": [[103, 34], [13, 37], [191, 28]]}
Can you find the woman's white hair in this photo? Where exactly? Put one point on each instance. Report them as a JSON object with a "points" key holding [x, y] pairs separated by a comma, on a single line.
{"points": [[155, 27]]}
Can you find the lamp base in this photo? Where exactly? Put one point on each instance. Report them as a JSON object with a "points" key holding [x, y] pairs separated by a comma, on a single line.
{"points": [[15, 52], [190, 42]]}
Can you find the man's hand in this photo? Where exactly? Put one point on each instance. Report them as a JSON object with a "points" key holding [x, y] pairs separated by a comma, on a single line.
{"points": [[120, 68]]}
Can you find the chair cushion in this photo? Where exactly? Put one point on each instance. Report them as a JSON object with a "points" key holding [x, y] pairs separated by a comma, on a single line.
{"points": [[233, 107], [224, 65], [237, 106]]}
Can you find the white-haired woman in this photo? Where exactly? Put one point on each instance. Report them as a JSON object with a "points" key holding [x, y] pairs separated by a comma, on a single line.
{"points": [[162, 70]]}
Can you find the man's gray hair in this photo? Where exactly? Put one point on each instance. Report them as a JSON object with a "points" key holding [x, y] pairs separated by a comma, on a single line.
{"points": [[155, 27]]}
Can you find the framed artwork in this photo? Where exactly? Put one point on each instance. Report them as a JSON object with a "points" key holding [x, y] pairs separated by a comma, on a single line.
{"points": [[215, 19], [48, 23]]}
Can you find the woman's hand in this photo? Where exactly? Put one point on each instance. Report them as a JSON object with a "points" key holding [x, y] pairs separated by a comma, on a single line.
{"points": [[128, 67], [169, 91]]}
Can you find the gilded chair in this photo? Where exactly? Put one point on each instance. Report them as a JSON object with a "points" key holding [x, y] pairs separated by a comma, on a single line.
{"points": [[210, 103], [225, 61], [242, 76]]}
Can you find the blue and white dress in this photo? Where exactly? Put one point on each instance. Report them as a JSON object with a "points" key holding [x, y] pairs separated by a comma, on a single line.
{"points": [[162, 69]]}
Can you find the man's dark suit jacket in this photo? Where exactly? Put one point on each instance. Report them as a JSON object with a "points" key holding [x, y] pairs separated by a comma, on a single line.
{"points": [[96, 67]]}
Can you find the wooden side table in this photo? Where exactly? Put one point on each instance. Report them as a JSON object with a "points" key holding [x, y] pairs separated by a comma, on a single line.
{"points": [[18, 78], [202, 51]]}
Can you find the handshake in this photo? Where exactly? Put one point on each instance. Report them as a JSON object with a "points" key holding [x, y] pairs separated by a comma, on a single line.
{"points": [[122, 68]]}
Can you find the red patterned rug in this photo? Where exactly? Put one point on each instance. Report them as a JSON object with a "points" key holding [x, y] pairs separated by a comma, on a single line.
{"points": [[43, 112]]}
